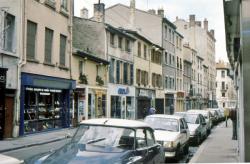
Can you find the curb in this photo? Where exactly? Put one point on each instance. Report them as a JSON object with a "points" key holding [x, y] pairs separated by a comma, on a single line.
{"points": [[33, 144]]}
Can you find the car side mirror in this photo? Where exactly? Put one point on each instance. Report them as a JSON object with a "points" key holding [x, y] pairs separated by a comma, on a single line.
{"points": [[183, 131], [134, 159]]}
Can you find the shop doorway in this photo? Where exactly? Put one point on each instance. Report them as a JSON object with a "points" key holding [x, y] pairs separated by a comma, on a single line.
{"points": [[9, 108], [159, 106], [143, 105], [2, 111]]}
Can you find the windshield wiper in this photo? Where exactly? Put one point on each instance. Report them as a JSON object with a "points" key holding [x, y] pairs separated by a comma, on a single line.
{"points": [[96, 140], [160, 129]]}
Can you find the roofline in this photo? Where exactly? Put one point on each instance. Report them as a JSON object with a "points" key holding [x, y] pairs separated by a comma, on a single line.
{"points": [[91, 57], [169, 23], [119, 31]]}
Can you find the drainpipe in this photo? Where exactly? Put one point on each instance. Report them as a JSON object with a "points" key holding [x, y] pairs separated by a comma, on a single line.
{"points": [[21, 63]]}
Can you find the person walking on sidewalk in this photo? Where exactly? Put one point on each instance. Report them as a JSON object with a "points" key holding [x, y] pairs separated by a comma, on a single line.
{"points": [[233, 117]]}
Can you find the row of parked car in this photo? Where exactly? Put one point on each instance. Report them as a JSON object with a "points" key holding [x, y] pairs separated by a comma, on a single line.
{"points": [[118, 141]]}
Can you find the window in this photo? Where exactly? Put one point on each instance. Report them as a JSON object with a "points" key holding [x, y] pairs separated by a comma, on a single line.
{"points": [[166, 82], [81, 67], [223, 85], [62, 49], [223, 74], [139, 49], [141, 138], [131, 74], [31, 40], [150, 139], [64, 4], [138, 76], [143, 77], [170, 57], [120, 42], [117, 72], [145, 51], [127, 46], [112, 39], [111, 71], [166, 58], [223, 94], [153, 79], [180, 64], [48, 45], [177, 62], [125, 73], [8, 32]]}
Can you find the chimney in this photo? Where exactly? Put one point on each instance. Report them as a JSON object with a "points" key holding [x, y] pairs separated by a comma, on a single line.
{"points": [[191, 20], [198, 23], [84, 13], [205, 24], [99, 12], [132, 14], [212, 32], [152, 11], [177, 18], [161, 12]]}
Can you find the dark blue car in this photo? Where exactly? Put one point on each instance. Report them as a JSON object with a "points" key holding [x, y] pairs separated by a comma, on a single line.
{"points": [[104, 141]]}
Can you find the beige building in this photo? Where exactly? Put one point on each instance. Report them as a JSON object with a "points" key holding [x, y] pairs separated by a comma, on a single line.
{"points": [[179, 72], [46, 79], [148, 75], [203, 41]]}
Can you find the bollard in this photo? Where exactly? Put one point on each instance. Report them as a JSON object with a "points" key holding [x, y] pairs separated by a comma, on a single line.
{"points": [[226, 121]]}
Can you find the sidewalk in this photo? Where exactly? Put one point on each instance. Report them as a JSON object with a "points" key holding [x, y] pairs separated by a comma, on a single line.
{"points": [[35, 139], [218, 147]]}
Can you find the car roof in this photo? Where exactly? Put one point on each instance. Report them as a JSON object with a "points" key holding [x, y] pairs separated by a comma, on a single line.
{"points": [[197, 111], [164, 116], [115, 122]]}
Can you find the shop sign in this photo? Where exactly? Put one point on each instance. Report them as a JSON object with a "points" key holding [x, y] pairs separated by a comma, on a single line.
{"points": [[43, 90], [123, 91], [143, 93], [180, 94]]}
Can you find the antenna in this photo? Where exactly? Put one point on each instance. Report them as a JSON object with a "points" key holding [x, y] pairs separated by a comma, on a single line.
{"points": [[99, 1]]}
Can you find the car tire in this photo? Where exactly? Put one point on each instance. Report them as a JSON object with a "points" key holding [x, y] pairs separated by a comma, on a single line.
{"points": [[178, 152], [198, 140], [186, 149]]}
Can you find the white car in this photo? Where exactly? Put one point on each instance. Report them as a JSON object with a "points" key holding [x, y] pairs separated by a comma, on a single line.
{"points": [[4, 159], [197, 127], [171, 132], [207, 115]]}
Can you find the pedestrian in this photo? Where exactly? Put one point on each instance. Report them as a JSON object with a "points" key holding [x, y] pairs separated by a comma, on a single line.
{"points": [[233, 117], [171, 109], [151, 110]]}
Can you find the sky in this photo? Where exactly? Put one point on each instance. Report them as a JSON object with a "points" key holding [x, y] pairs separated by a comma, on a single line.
{"points": [[210, 9]]}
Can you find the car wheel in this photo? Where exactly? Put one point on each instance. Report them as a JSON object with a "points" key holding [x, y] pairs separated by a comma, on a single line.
{"points": [[198, 141], [186, 149], [178, 152]]}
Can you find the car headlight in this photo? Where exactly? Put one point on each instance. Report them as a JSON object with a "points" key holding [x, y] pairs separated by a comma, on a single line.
{"points": [[168, 144]]}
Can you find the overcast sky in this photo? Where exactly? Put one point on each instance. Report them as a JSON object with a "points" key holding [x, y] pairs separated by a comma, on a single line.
{"points": [[210, 9]]}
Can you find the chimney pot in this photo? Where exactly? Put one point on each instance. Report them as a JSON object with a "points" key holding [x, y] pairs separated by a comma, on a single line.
{"points": [[84, 13], [205, 24], [99, 12], [152, 11], [161, 12], [191, 20]]}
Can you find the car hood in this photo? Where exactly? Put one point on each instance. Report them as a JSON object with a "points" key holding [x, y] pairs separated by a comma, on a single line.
{"points": [[192, 127], [9, 160], [163, 135], [90, 154]]}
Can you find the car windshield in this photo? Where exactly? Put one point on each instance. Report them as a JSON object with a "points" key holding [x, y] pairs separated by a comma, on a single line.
{"points": [[158, 123], [191, 118], [105, 136]]}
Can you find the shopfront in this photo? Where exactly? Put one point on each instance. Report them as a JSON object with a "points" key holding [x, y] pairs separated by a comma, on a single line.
{"points": [[169, 100], [45, 103], [122, 101], [2, 101], [159, 101], [144, 100], [180, 102]]}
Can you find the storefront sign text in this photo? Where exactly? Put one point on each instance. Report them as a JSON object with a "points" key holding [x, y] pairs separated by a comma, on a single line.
{"points": [[123, 91], [43, 90]]}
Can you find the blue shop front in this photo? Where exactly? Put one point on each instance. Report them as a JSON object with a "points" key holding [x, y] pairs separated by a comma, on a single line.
{"points": [[45, 103]]}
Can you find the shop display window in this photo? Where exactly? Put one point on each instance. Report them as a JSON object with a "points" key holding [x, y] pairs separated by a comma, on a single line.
{"points": [[42, 109]]}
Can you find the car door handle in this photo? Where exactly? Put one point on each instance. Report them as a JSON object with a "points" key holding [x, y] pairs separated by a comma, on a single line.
{"points": [[150, 151]]}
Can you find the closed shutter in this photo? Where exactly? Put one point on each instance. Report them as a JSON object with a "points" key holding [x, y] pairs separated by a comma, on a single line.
{"points": [[31, 39], [48, 45], [131, 74], [62, 49]]}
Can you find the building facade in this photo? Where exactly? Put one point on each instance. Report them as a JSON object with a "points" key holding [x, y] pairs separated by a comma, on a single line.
{"points": [[10, 52], [225, 91], [237, 27], [203, 41], [46, 80]]}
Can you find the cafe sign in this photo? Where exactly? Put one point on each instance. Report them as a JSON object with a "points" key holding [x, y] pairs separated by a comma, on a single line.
{"points": [[123, 91]]}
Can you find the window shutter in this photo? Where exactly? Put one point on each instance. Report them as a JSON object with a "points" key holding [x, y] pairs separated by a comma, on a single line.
{"points": [[31, 39], [62, 49], [48, 45]]}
